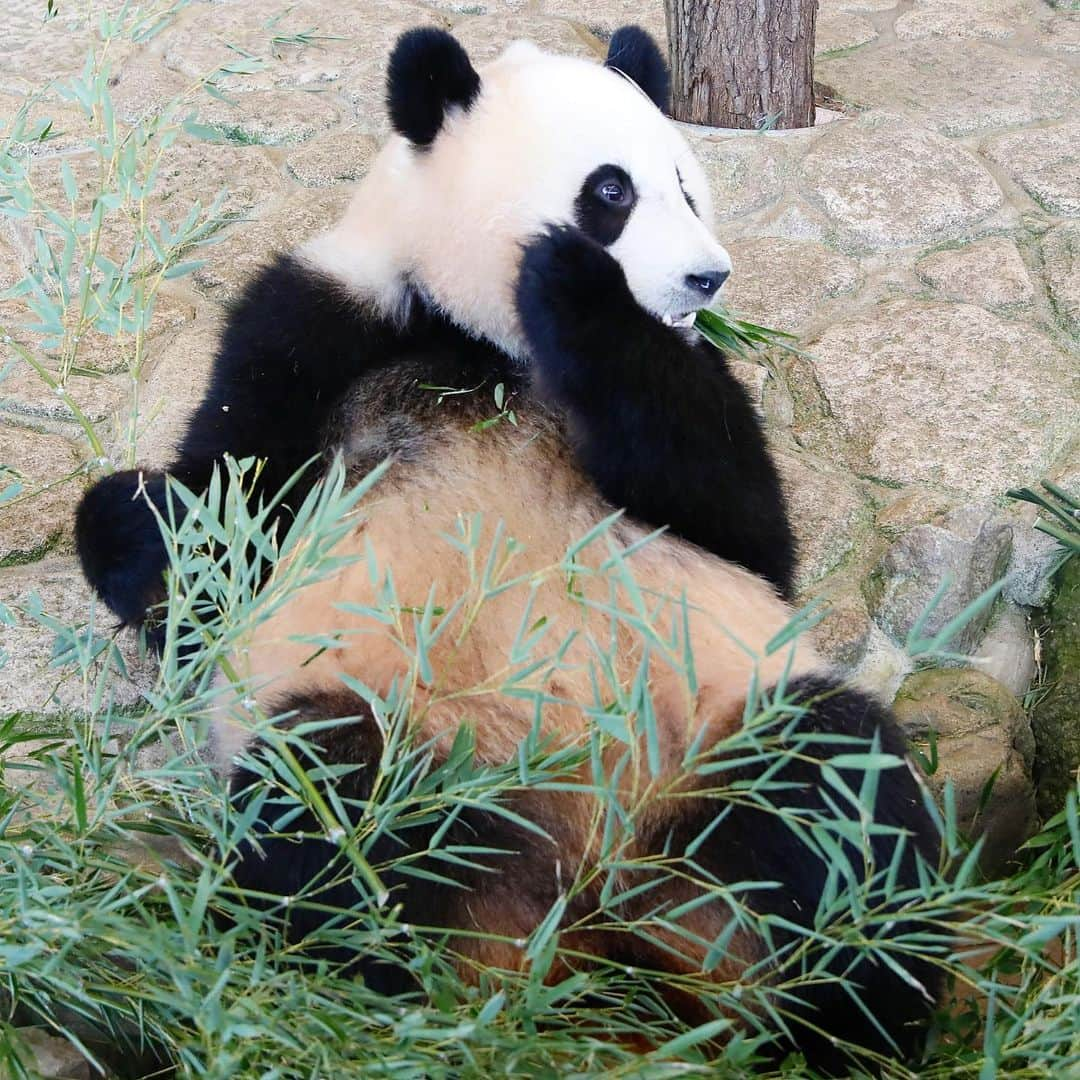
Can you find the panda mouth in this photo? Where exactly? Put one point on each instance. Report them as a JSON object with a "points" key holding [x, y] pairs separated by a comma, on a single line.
{"points": [[685, 321]]}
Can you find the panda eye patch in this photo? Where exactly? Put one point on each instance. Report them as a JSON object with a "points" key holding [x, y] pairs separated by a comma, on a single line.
{"points": [[604, 203]]}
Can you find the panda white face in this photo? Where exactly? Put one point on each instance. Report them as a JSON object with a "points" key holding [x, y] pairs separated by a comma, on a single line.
{"points": [[539, 139]]}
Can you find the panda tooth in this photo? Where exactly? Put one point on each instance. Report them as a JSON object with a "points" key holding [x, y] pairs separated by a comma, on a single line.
{"points": [[668, 320]]}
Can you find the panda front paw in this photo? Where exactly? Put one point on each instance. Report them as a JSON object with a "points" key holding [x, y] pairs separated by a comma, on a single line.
{"points": [[119, 543], [568, 284]]}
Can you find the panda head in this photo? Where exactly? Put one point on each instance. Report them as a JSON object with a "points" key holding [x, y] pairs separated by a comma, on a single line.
{"points": [[482, 160]]}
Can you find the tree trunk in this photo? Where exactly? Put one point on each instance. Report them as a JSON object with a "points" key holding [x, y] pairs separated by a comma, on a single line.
{"points": [[742, 63]]}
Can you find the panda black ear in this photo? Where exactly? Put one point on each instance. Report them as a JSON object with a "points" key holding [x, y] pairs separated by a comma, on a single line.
{"points": [[428, 72], [633, 52]]}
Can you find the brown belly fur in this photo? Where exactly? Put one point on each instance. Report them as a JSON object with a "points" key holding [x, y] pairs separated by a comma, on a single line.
{"points": [[506, 475]]}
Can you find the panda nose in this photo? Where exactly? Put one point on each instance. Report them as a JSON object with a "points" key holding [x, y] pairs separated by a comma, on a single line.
{"points": [[707, 283]]}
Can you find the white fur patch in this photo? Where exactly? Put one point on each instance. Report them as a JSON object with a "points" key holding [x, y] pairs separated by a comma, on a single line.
{"points": [[451, 220]]}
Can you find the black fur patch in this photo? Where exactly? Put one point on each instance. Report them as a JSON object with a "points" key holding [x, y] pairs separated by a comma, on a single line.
{"points": [[294, 346], [633, 52], [119, 542], [428, 73], [755, 845], [299, 861], [599, 218], [661, 426]]}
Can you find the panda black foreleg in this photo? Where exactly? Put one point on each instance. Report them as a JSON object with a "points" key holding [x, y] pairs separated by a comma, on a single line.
{"points": [[293, 345], [661, 425], [757, 844]]}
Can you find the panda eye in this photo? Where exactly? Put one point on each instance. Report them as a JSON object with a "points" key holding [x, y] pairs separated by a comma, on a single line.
{"points": [[612, 191], [611, 186]]}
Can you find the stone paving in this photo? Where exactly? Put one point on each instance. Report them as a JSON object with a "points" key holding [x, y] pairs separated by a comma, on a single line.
{"points": [[925, 247]]}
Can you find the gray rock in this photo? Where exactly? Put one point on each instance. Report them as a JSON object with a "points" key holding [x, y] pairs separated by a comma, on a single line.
{"points": [[984, 747], [39, 462], [844, 635], [172, 388], [485, 36], [244, 249], [829, 7], [363, 85], [332, 160], [915, 505], [22, 21], [969, 520], [841, 30], [963, 91], [70, 129], [908, 577], [30, 401], [50, 1057], [1035, 557], [117, 233], [271, 117], [1044, 161], [946, 394], [746, 171], [340, 35], [883, 666], [141, 87], [1007, 651], [988, 272], [830, 513], [244, 176], [754, 376], [1060, 33], [32, 685], [62, 40], [957, 21], [603, 16], [796, 220], [886, 184], [103, 353], [1061, 265], [787, 284]]}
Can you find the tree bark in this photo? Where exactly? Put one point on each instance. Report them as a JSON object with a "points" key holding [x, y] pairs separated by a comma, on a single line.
{"points": [[742, 63]]}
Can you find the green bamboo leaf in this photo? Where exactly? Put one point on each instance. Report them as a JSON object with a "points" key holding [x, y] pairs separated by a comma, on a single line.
{"points": [[205, 132], [182, 269], [71, 189]]}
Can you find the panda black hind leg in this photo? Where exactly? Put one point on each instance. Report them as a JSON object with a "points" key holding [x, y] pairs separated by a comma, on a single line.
{"points": [[660, 424], [297, 870], [467, 878], [885, 1012]]}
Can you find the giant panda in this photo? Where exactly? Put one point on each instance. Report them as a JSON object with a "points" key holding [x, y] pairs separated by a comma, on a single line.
{"points": [[539, 225]]}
